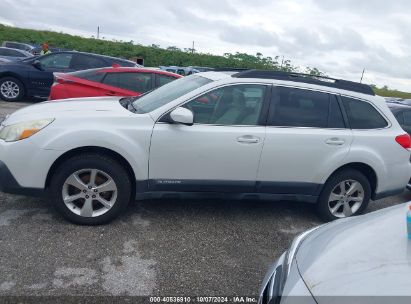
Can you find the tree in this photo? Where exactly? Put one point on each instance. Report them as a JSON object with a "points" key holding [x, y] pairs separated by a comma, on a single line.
{"points": [[174, 49]]}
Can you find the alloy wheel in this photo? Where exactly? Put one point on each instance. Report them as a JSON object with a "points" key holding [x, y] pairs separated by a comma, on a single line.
{"points": [[89, 192], [346, 198], [9, 89]]}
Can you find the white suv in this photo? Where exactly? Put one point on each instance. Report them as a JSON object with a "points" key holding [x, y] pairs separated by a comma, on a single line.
{"points": [[247, 135]]}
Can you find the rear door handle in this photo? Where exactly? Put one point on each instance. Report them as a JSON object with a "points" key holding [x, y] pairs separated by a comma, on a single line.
{"points": [[335, 141], [110, 93], [248, 139]]}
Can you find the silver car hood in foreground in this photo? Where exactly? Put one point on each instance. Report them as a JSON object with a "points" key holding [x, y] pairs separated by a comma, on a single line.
{"points": [[368, 255]]}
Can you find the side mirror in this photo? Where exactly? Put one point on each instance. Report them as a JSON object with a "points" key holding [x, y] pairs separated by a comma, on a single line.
{"points": [[37, 65], [183, 116]]}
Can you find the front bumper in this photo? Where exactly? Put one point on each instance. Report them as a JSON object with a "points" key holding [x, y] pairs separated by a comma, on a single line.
{"points": [[8, 184]]}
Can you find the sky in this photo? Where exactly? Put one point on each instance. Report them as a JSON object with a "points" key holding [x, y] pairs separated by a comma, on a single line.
{"points": [[340, 38]]}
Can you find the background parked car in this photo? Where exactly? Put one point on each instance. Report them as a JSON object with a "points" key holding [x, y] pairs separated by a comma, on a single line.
{"points": [[184, 71], [13, 54], [18, 45], [402, 113], [116, 81], [358, 260], [34, 76]]}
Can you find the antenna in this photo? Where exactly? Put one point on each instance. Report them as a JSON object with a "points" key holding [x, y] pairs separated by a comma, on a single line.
{"points": [[362, 76]]}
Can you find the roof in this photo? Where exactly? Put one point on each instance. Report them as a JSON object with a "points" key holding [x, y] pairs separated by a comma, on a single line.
{"points": [[98, 55], [310, 79]]}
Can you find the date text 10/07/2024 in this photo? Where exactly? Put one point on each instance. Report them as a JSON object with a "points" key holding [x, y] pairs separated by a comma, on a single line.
{"points": [[235, 299]]}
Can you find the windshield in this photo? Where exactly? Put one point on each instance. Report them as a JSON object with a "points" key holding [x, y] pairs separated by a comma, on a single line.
{"points": [[168, 93]]}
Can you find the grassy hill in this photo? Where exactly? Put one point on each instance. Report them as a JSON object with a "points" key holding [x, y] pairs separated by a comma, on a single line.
{"points": [[155, 56], [391, 93]]}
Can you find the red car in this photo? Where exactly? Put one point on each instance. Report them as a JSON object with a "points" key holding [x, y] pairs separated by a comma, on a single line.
{"points": [[115, 81]]}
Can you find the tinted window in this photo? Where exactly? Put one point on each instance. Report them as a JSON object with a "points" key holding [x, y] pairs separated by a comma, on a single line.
{"points": [[304, 108], [84, 62], [231, 105], [91, 75], [61, 61], [407, 118], [12, 53], [399, 117], [16, 46], [123, 63], [163, 79], [137, 82], [362, 115]]}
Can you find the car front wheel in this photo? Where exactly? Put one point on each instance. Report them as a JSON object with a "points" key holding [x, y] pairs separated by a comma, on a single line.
{"points": [[347, 193], [90, 189], [11, 89]]}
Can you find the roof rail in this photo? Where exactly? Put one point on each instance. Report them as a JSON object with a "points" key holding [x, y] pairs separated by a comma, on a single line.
{"points": [[307, 78], [230, 69]]}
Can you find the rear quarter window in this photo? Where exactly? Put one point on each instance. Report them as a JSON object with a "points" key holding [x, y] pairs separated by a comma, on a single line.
{"points": [[362, 115]]}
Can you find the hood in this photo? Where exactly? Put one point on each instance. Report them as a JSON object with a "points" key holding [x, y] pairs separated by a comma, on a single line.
{"points": [[368, 255], [103, 106]]}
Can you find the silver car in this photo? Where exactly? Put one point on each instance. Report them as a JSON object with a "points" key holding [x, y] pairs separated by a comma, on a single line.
{"points": [[13, 54], [365, 259]]}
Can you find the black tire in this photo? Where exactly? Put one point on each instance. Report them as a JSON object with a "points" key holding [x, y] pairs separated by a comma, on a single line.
{"points": [[323, 209], [17, 83], [91, 161]]}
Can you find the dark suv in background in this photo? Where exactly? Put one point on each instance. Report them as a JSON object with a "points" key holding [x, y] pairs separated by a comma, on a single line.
{"points": [[34, 76]]}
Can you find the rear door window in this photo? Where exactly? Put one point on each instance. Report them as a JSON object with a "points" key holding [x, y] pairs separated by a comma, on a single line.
{"points": [[293, 107], [84, 62], [137, 82], [363, 115]]}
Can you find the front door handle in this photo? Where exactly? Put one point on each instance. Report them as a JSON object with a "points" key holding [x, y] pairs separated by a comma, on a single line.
{"points": [[248, 139], [335, 141]]}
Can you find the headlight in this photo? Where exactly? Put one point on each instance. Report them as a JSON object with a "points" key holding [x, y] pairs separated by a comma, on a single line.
{"points": [[23, 130]]}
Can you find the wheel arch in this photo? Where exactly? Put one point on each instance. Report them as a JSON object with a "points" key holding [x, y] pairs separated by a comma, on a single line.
{"points": [[93, 149], [18, 77], [365, 169]]}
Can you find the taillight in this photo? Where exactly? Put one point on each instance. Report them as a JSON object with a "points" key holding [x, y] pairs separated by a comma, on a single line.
{"points": [[404, 140]]}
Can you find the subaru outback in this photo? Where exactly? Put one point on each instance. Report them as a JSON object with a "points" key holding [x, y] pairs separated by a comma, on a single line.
{"points": [[250, 134]]}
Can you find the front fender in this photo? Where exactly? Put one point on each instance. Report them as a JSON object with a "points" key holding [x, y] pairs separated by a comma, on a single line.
{"points": [[130, 141]]}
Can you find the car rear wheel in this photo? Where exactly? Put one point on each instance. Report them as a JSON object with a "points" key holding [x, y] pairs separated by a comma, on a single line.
{"points": [[347, 193], [90, 189], [11, 89]]}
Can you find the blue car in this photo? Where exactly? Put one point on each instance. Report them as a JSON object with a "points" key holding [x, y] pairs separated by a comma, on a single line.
{"points": [[34, 76]]}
